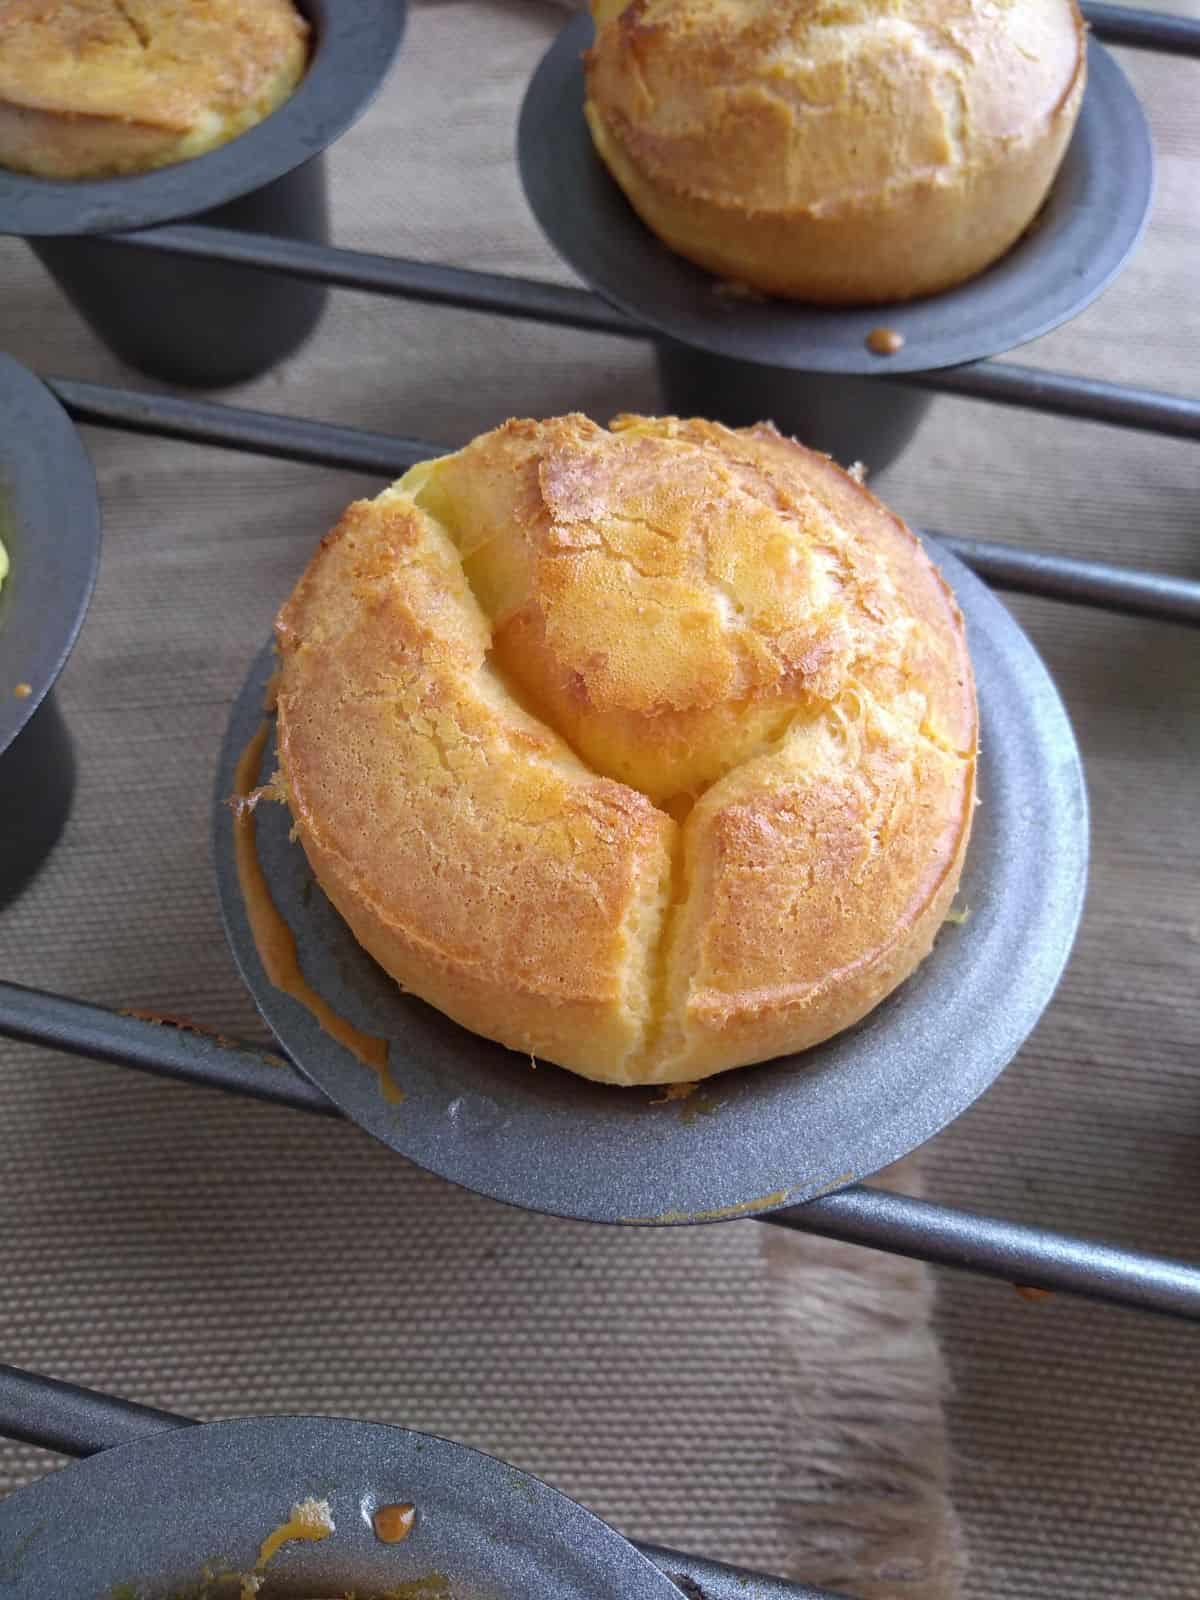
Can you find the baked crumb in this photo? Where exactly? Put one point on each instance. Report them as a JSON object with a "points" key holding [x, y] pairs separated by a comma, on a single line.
{"points": [[674, 1091]]}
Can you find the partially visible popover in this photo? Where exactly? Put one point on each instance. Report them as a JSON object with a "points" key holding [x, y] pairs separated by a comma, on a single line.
{"points": [[647, 750], [836, 151], [101, 88]]}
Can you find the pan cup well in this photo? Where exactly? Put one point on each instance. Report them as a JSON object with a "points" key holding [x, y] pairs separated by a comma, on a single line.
{"points": [[737, 358], [149, 1516], [50, 527], [748, 1141], [197, 322]]}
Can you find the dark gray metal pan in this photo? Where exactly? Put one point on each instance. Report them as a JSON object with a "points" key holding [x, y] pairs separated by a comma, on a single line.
{"points": [[750, 1141], [50, 525], [207, 322], [1090, 224], [162, 1501]]}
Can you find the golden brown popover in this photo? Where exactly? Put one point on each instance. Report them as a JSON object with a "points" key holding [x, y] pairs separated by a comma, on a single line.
{"points": [[649, 751], [97, 88], [836, 151]]}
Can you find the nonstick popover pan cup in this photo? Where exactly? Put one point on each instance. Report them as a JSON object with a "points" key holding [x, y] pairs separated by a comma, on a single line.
{"points": [[164, 1507], [50, 527], [747, 1141], [198, 322], [809, 368]]}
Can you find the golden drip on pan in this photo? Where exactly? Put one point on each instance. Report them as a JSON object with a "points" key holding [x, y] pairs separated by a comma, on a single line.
{"points": [[393, 1524], [275, 941], [310, 1522]]}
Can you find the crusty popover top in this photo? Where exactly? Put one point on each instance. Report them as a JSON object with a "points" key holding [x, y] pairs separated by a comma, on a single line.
{"points": [[836, 149], [93, 88], [648, 750]]}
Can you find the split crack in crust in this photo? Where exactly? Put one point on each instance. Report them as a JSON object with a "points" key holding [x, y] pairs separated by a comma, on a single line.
{"points": [[650, 751], [138, 29]]}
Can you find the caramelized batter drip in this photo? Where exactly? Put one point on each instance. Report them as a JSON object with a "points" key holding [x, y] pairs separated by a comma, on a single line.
{"points": [[393, 1524], [274, 940]]}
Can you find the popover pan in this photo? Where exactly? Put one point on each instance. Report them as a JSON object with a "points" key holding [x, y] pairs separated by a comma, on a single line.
{"points": [[739, 360], [747, 1141], [199, 322], [50, 526], [166, 1507]]}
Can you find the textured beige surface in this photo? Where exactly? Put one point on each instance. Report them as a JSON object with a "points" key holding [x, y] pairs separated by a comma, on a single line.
{"points": [[163, 1243]]}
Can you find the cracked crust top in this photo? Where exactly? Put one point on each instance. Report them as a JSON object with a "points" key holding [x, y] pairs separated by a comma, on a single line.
{"points": [[96, 88], [649, 750], [907, 142]]}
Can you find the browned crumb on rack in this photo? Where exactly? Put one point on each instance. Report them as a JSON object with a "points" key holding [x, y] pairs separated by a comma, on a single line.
{"points": [[164, 1019]]}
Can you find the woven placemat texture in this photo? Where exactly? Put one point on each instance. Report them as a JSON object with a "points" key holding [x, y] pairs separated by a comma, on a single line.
{"points": [[731, 1389]]}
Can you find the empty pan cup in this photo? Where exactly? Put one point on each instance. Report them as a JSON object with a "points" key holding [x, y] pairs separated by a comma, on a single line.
{"points": [[50, 528], [193, 321], [300, 1505]]}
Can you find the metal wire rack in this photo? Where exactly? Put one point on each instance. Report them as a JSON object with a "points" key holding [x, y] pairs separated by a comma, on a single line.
{"points": [[1027, 1255], [1039, 1257]]}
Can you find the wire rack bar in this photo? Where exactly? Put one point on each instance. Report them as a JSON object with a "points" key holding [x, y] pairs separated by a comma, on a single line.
{"points": [[700, 1579], [1144, 30], [497, 294], [167, 1048], [325, 444], [74, 1421], [1082, 583], [535, 300], [1037, 1257], [1063, 395], [317, 444], [83, 1422]]}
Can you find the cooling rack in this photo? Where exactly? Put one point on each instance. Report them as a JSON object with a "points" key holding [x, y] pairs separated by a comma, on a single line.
{"points": [[942, 1235]]}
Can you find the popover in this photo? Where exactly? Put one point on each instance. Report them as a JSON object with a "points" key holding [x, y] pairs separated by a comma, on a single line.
{"points": [[101, 88], [647, 750], [836, 151]]}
